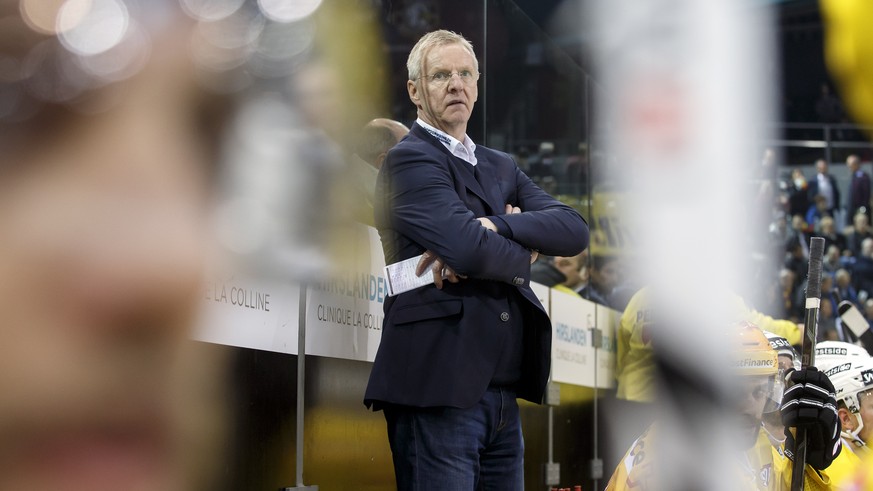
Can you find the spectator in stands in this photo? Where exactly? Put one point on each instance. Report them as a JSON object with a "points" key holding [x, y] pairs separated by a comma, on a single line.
{"points": [[843, 280], [859, 188], [779, 231], [603, 276], [832, 260], [790, 308], [817, 211], [795, 260], [860, 231], [798, 300], [827, 291], [828, 230], [798, 199], [862, 268], [801, 233], [827, 323], [826, 185]]}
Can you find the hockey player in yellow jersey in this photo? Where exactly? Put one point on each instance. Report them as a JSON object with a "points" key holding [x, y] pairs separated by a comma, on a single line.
{"points": [[809, 403], [637, 331], [827, 354], [844, 364], [853, 381], [788, 360]]}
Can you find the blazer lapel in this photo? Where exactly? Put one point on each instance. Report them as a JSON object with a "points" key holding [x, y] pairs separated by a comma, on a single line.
{"points": [[490, 184], [462, 169], [468, 175]]}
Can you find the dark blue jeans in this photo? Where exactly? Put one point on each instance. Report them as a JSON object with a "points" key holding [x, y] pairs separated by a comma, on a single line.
{"points": [[450, 449]]}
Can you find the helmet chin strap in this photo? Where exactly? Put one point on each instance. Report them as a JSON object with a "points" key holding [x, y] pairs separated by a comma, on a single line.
{"points": [[773, 438], [853, 434]]}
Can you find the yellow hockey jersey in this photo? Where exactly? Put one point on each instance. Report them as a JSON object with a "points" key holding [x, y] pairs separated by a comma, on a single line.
{"points": [[861, 477], [761, 468], [844, 468]]}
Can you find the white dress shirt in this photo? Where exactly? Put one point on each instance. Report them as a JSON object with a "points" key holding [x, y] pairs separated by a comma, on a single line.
{"points": [[463, 150], [825, 189]]}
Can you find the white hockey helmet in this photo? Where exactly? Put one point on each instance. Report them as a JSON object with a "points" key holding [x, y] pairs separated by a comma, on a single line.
{"points": [[851, 379], [831, 353]]}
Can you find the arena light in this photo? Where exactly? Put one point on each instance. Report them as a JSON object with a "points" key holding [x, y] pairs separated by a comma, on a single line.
{"points": [[90, 27], [210, 10], [285, 11]]}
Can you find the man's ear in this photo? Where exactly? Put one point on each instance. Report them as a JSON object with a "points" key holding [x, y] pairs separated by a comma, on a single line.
{"points": [[380, 159], [414, 96], [846, 419]]}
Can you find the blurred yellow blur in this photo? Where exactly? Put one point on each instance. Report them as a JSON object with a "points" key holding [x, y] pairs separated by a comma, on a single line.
{"points": [[849, 53]]}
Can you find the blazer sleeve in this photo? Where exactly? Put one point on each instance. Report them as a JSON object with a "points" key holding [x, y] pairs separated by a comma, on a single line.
{"points": [[425, 207], [865, 190], [545, 224]]}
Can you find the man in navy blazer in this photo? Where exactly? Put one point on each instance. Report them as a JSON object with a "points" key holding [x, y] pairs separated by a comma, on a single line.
{"points": [[826, 185], [455, 355], [859, 188]]}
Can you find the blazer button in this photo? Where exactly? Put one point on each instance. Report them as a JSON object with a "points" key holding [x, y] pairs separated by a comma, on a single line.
{"points": [[518, 281], [504, 316]]}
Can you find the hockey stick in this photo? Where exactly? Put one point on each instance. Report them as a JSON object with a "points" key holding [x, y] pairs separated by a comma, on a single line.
{"points": [[807, 347]]}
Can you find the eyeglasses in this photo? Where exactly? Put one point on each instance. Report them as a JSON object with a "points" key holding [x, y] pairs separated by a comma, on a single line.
{"points": [[442, 77]]}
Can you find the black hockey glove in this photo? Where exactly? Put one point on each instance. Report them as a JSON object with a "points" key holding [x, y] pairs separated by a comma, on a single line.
{"points": [[810, 404]]}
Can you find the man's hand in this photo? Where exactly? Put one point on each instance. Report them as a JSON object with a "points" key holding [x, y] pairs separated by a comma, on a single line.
{"points": [[511, 210], [438, 267], [508, 210], [810, 403], [487, 224]]}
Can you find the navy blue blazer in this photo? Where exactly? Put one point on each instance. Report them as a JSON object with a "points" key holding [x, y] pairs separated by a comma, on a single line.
{"points": [[442, 347], [812, 190]]}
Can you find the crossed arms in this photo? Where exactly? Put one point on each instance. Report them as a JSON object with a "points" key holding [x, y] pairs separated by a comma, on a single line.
{"points": [[425, 208]]}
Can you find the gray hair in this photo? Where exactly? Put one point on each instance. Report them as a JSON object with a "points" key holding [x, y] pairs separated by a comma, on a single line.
{"points": [[432, 39]]}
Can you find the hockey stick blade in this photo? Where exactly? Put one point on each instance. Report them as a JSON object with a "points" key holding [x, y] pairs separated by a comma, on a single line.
{"points": [[852, 318]]}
